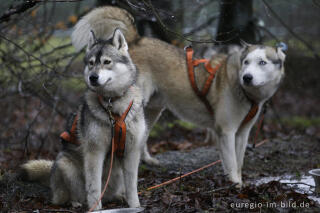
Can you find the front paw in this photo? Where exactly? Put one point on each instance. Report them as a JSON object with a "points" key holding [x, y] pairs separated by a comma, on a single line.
{"points": [[76, 204], [239, 185], [237, 181], [92, 203], [134, 204], [151, 161]]}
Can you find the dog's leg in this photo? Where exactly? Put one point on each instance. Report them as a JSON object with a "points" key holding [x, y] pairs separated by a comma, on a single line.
{"points": [[152, 113], [130, 172], [226, 145], [93, 166], [241, 144], [60, 191], [210, 137], [67, 182]]}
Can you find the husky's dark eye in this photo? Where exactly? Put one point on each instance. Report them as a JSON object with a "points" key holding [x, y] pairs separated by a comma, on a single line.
{"points": [[262, 62], [246, 62], [106, 62], [91, 62]]}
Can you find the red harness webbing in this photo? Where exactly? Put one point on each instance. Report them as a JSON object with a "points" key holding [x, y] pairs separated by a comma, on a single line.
{"points": [[120, 132], [212, 71], [119, 128], [191, 63], [71, 137]]}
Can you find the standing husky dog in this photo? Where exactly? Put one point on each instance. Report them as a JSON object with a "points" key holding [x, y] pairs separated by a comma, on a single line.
{"points": [[245, 77], [79, 170]]}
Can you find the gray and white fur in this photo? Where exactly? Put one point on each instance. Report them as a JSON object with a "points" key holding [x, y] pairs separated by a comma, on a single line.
{"points": [[252, 74], [79, 172]]}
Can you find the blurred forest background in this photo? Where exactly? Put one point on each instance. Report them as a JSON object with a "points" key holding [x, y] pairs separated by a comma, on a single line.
{"points": [[41, 74]]}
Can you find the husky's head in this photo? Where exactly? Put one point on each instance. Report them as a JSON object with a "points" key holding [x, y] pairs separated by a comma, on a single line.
{"points": [[109, 70], [262, 69]]}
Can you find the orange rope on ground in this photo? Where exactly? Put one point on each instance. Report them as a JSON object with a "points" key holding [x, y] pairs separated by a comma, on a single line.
{"points": [[262, 142], [182, 176], [169, 181], [194, 171]]}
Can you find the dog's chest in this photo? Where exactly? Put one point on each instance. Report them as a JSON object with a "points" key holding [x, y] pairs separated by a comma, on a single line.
{"points": [[99, 132]]}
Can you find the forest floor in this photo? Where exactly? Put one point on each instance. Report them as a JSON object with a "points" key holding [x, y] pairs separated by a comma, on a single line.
{"points": [[292, 127], [291, 155]]}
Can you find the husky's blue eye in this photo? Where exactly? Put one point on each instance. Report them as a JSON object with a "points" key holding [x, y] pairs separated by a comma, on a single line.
{"points": [[262, 62], [246, 62]]}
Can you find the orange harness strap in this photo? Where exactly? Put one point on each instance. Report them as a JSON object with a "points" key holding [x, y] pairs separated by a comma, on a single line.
{"points": [[120, 131], [71, 137], [212, 71], [252, 112], [191, 63], [119, 134]]}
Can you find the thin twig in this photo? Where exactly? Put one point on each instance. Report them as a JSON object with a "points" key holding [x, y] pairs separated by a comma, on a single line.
{"points": [[164, 27], [270, 33], [53, 114], [201, 26], [222, 188], [25, 52], [57, 0], [290, 30], [315, 2], [57, 210], [297, 183], [56, 49], [30, 125], [20, 8]]}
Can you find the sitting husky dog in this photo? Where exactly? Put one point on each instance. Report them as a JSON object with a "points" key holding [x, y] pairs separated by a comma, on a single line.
{"points": [[245, 78], [79, 171]]}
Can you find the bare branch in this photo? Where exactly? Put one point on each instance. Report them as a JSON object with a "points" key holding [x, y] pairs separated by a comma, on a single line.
{"points": [[24, 51], [164, 27], [201, 26], [290, 30], [20, 8], [316, 2]]}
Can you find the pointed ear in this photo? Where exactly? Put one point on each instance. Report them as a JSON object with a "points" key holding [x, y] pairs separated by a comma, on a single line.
{"points": [[119, 41], [281, 49], [281, 54], [244, 44], [92, 40]]}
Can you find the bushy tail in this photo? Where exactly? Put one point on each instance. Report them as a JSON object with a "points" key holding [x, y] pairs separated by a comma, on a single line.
{"points": [[37, 170], [103, 21]]}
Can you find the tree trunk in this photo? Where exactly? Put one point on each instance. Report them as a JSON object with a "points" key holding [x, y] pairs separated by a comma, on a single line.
{"points": [[236, 22]]}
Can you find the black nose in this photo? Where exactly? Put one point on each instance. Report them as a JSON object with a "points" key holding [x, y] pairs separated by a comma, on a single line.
{"points": [[247, 78], [94, 78]]}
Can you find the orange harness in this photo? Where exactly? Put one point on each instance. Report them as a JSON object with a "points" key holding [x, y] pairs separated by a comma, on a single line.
{"points": [[119, 130], [191, 63]]}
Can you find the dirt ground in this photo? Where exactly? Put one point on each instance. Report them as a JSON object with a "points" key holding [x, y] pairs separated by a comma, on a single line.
{"points": [[206, 191], [293, 149]]}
